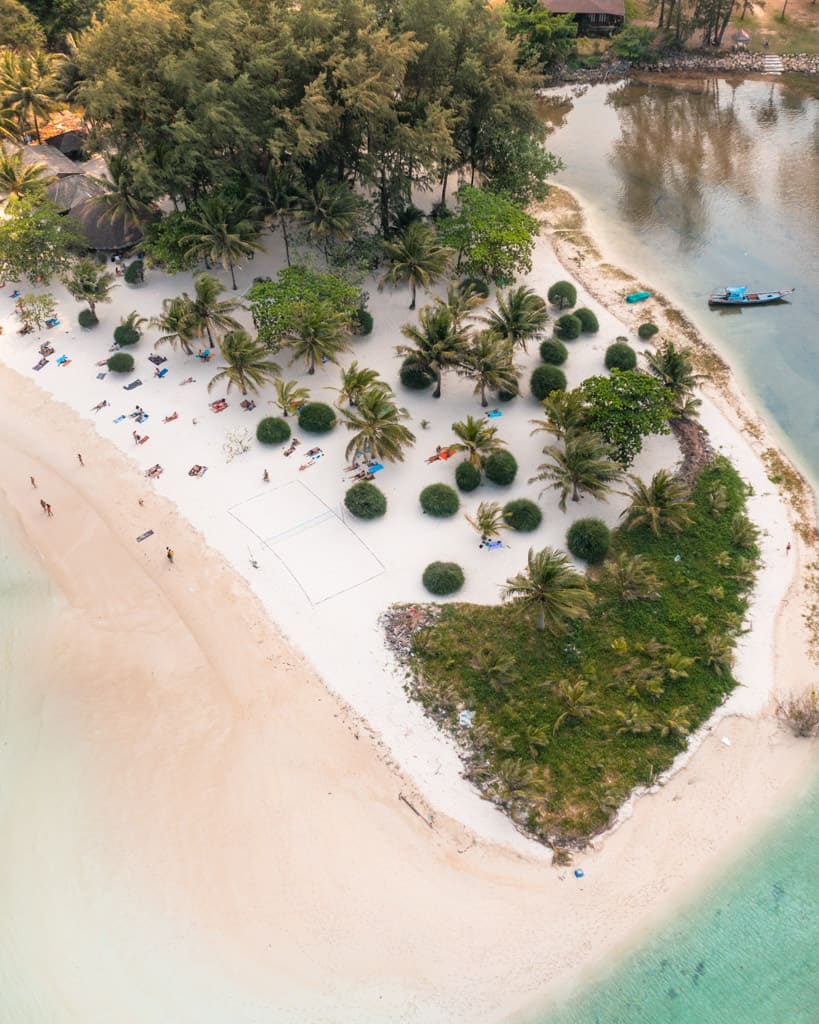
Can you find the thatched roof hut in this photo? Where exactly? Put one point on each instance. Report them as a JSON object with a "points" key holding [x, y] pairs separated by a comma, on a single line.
{"points": [[103, 232], [54, 160], [71, 189]]}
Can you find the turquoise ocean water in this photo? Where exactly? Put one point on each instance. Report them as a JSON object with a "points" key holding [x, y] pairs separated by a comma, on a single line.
{"points": [[696, 184]]}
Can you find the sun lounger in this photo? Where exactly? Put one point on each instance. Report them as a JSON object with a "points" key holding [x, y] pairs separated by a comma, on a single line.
{"points": [[157, 360], [43, 362], [219, 406], [171, 418], [62, 359], [144, 536], [494, 413], [161, 373], [132, 385], [119, 419], [142, 440], [102, 375], [248, 405], [376, 467], [197, 471]]}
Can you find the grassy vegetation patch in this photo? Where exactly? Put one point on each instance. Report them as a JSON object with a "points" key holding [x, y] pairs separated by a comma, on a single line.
{"points": [[565, 726]]}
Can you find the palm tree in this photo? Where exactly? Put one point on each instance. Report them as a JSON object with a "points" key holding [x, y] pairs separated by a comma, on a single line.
{"points": [[498, 667], [636, 721], [176, 322], [276, 194], [118, 200], [674, 368], [490, 363], [461, 300], [550, 584], [208, 311], [220, 233], [29, 85], [249, 365], [478, 438], [317, 334], [521, 315], [582, 465], [488, 519], [660, 505], [290, 395], [565, 413], [417, 258], [377, 426], [354, 381], [632, 577], [676, 722], [439, 343], [88, 282], [576, 699], [17, 179], [331, 213]]}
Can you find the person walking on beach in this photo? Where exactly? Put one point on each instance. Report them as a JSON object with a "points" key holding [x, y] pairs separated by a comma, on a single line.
{"points": [[79, 457], [788, 548], [49, 513], [266, 477], [33, 481], [136, 437], [42, 504], [169, 555]]}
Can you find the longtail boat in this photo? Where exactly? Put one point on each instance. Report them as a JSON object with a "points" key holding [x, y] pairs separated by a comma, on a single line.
{"points": [[736, 295]]}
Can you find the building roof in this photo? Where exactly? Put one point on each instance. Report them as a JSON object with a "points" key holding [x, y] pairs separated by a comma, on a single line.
{"points": [[616, 8], [51, 157], [71, 189], [104, 233]]}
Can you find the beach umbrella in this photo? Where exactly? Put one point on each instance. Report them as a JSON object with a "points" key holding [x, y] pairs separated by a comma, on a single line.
{"points": [[742, 36]]}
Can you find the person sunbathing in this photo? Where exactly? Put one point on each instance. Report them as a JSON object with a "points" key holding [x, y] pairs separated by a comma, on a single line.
{"points": [[171, 418], [187, 380]]}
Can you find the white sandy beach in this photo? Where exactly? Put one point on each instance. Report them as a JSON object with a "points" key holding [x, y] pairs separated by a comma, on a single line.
{"points": [[252, 732]]}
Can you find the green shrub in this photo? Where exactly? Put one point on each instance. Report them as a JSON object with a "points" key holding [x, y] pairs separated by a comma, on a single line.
{"points": [[476, 285], [442, 578], [646, 331], [507, 396], [522, 514], [120, 362], [587, 319], [134, 272], [553, 352], [272, 430], [501, 468], [365, 501], [589, 540], [126, 334], [620, 356], [414, 378], [545, 380], [439, 500], [316, 418], [362, 323], [568, 326], [87, 318], [467, 477], [563, 294]]}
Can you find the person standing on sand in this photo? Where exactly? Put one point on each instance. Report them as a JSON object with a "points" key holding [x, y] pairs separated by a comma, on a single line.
{"points": [[169, 554], [49, 513], [788, 548], [42, 504], [79, 457], [33, 481]]}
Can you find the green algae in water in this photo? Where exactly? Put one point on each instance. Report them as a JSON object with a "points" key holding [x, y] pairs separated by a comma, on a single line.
{"points": [[747, 954]]}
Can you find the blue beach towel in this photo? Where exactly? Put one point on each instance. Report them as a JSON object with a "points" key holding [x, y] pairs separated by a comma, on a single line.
{"points": [[119, 419], [494, 414], [100, 376], [376, 467], [132, 385], [61, 360]]}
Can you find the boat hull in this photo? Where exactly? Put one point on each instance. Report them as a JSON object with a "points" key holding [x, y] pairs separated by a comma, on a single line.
{"points": [[753, 299]]}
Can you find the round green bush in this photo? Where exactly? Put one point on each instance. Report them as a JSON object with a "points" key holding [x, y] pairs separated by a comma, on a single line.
{"points": [[589, 540], [466, 476], [442, 578], [414, 378], [439, 500], [545, 380], [365, 501], [568, 326], [272, 430], [522, 514], [646, 331], [316, 418], [553, 352], [587, 320], [134, 272], [120, 362], [501, 468], [476, 285], [620, 356], [125, 334], [87, 318], [362, 323], [563, 294], [507, 396]]}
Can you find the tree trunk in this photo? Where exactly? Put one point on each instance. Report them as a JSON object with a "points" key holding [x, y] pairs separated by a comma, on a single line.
{"points": [[575, 492], [437, 392], [232, 275], [92, 306], [444, 181], [541, 618], [285, 236], [662, 12], [484, 401], [40, 141], [412, 287], [210, 336]]}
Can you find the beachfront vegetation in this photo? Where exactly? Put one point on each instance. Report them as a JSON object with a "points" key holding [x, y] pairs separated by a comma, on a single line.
{"points": [[673, 367], [87, 318], [220, 232], [362, 323], [376, 423], [35, 309], [272, 430], [414, 376], [120, 362], [800, 712], [467, 477], [278, 306], [490, 363], [317, 335], [477, 439], [588, 320], [439, 343], [18, 179], [355, 380], [501, 468], [602, 703], [474, 286], [247, 366], [209, 313], [365, 501], [553, 352], [589, 540], [662, 506], [417, 258], [545, 380], [126, 334], [543, 38], [487, 521], [620, 356], [134, 273], [582, 464], [316, 418], [568, 327], [562, 294], [176, 325], [36, 240], [88, 282], [290, 395], [521, 316], [625, 407], [439, 500], [443, 578], [522, 515], [647, 330]]}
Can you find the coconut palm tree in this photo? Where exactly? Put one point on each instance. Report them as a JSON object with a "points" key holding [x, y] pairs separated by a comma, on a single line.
{"points": [[220, 233], [636, 721], [416, 257], [289, 395], [248, 363], [552, 586], [176, 322], [582, 465], [439, 343], [88, 282], [676, 722], [17, 178], [489, 362], [208, 311], [477, 438], [118, 199], [577, 701], [331, 213], [632, 577], [674, 368], [461, 301], [660, 505], [497, 667], [29, 86], [488, 519], [354, 381], [276, 194], [565, 413], [318, 334], [377, 426], [521, 315]]}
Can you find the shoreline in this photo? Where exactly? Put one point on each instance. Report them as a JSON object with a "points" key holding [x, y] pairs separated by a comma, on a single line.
{"points": [[414, 912]]}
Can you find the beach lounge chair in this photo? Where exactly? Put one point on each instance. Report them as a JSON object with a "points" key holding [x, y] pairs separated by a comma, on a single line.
{"points": [[132, 385], [171, 418], [219, 406], [494, 413], [161, 373], [61, 360], [157, 360], [43, 362], [376, 467], [197, 471]]}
